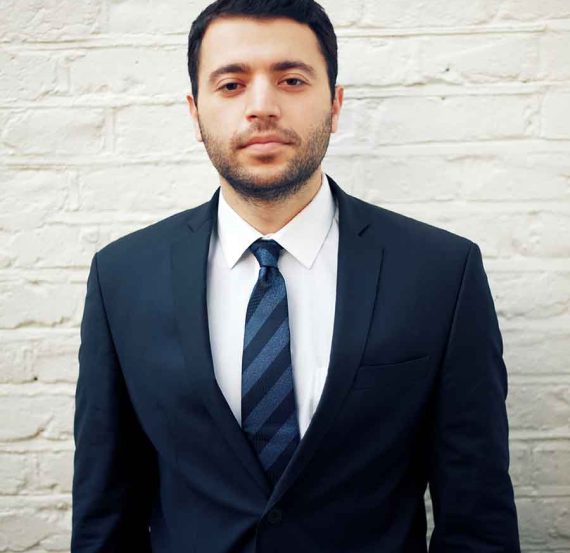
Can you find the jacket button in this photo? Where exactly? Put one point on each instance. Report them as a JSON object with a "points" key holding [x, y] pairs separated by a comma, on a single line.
{"points": [[275, 516]]}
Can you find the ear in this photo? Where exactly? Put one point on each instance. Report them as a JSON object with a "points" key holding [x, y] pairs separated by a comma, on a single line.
{"points": [[337, 105], [194, 114]]}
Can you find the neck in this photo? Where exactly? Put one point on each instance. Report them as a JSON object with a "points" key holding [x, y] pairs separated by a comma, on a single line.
{"points": [[269, 217]]}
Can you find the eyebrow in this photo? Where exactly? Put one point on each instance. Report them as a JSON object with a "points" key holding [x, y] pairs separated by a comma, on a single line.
{"points": [[278, 66]]}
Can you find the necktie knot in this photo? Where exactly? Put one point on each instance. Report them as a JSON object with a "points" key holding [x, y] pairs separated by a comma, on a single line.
{"points": [[266, 252]]}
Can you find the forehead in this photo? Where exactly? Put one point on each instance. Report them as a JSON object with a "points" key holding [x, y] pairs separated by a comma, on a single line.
{"points": [[258, 41]]}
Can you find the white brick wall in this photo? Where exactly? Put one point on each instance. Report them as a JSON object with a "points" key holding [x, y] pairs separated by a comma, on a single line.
{"points": [[456, 113]]}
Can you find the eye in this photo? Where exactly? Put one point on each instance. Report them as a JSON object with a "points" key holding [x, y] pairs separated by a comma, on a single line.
{"points": [[229, 87], [291, 81]]}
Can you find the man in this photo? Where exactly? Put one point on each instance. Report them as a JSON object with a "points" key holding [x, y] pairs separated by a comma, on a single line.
{"points": [[285, 368]]}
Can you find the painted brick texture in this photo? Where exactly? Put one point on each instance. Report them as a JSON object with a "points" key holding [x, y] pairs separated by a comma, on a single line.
{"points": [[456, 113]]}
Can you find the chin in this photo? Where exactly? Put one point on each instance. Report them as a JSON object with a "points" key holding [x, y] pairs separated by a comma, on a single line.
{"points": [[266, 173]]}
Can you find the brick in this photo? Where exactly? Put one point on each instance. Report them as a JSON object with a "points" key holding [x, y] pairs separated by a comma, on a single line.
{"points": [[552, 465], [536, 295], [5, 116], [22, 529], [529, 10], [526, 403], [55, 471], [40, 20], [30, 196], [544, 234], [16, 471], [42, 247], [401, 120], [437, 13], [55, 131], [429, 516], [15, 361], [356, 129], [147, 187], [57, 543], [378, 62], [555, 115], [56, 360], [555, 47], [21, 420], [163, 129], [504, 234], [510, 177], [144, 16], [5, 259], [541, 521], [520, 466], [484, 58], [536, 352], [145, 71], [27, 76], [471, 176], [346, 171], [344, 14], [94, 147], [38, 303], [405, 179], [25, 417]]}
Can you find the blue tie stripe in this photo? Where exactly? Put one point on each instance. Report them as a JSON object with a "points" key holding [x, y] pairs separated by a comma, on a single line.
{"points": [[266, 356], [265, 308], [280, 417], [265, 333], [271, 400], [264, 383], [283, 437], [269, 416]]}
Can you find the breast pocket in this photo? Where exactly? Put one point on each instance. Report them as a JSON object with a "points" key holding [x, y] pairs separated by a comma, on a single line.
{"points": [[371, 376]]}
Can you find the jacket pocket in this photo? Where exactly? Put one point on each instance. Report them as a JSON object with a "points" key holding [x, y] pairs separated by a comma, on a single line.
{"points": [[370, 376]]}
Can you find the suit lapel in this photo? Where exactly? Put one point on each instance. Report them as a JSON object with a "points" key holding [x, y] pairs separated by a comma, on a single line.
{"points": [[189, 273], [359, 261]]}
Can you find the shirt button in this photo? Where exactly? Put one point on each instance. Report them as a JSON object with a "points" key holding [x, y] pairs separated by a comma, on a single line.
{"points": [[275, 516]]}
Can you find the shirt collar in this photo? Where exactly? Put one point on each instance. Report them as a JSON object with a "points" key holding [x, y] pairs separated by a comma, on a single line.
{"points": [[302, 236]]}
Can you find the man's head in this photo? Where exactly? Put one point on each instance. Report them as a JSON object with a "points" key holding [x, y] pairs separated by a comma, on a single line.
{"points": [[264, 70]]}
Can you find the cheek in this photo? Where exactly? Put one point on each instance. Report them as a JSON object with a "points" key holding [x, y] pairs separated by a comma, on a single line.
{"points": [[310, 122], [222, 125]]}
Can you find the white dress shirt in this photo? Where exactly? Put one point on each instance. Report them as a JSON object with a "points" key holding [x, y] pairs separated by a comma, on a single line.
{"points": [[308, 263]]}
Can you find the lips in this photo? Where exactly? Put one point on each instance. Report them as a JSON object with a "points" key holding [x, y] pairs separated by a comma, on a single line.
{"points": [[265, 141]]}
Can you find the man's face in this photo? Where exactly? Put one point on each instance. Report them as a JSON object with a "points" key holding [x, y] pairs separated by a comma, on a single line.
{"points": [[264, 79]]}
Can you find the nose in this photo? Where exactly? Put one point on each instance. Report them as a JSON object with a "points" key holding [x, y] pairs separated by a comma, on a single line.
{"points": [[262, 101]]}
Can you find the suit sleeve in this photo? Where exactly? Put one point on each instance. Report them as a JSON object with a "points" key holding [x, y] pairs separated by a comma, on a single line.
{"points": [[113, 462], [470, 487]]}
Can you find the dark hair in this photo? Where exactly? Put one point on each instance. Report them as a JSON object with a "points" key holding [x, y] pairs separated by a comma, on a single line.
{"points": [[307, 12]]}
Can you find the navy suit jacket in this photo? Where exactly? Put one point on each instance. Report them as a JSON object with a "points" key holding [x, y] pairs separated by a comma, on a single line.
{"points": [[415, 396]]}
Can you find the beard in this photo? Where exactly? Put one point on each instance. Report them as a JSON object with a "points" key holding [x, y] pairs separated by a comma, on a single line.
{"points": [[281, 185]]}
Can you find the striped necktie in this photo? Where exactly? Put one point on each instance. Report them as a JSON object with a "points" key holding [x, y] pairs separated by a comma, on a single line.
{"points": [[268, 407]]}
